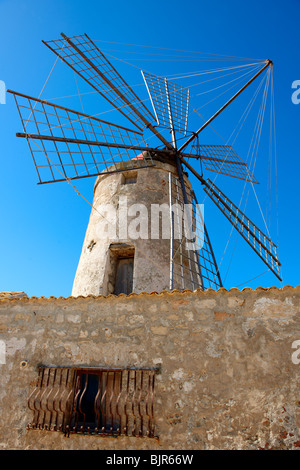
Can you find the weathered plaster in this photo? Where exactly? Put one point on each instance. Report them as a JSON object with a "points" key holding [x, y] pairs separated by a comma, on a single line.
{"points": [[227, 377]]}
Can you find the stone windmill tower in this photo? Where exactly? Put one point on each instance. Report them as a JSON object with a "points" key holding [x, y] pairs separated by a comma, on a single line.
{"points": [[123, 253], [146, 230]]}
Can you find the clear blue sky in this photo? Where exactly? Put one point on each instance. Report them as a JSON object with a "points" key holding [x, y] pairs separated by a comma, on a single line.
{"points": [[43, 227]]}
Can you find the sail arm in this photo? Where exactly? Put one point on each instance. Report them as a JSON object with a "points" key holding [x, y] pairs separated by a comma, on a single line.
{"points": [[207, 123], [66, 144], [85, 58], [211, 277], [193, 264], [258, 241], [64, 159]]}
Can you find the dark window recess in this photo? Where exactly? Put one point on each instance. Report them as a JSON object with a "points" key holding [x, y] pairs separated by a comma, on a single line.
{"points": [[100, 402], [121, 265], [124, 276], [130, 178]]}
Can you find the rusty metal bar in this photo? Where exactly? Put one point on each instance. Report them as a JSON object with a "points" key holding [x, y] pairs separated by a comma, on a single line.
{"points": [[118, 401], [117, 404]]}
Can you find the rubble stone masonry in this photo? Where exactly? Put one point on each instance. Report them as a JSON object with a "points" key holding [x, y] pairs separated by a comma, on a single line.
{"points": [[229, 374]]}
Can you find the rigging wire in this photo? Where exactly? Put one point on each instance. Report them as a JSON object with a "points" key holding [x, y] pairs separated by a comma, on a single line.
{"points": [[269, 182], [92, 93], [144, 100], [187, 75], [230, 235], [257, 146], [78, 92], [168, 76], [218, 96], [192, 59], [174, 56], [254, 67], [275, 164], [176, 50], [227, 83], [258, 134], [47, 79], [244, 117], [226, 141], [253, 278], [147, 99], [209, 71]]}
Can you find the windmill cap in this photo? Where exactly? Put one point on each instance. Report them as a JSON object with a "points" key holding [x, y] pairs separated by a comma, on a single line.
{"points": [[140, 156]]}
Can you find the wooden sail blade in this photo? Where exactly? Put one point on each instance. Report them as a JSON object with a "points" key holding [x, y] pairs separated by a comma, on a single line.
{"points": [[259, 242], [192, 261], [86, 59], [67, 144], [223, 159], [170, 102]]}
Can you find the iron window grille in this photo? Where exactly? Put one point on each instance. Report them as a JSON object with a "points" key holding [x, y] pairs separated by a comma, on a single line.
{"points": [[104, 402]]}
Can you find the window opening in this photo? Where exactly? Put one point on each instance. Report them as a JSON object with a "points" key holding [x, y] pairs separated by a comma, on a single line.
{"points": [[94, 401], [120, 269], [124, 276], [129, 178]]}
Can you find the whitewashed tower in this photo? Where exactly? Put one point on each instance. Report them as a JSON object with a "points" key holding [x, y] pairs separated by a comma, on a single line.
{"points": [[127, 246]]}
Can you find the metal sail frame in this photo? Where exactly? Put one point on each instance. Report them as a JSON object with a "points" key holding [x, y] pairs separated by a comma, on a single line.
{"points": [[84, 146], [67, 144], [85, 58], [192, 260], [170, 103]]}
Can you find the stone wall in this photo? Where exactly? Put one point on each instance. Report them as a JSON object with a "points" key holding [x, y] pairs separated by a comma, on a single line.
{"points": [[227, 378]]}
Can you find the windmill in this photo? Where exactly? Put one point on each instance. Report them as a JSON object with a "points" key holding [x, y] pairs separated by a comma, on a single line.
{"points": [[68, 145]]}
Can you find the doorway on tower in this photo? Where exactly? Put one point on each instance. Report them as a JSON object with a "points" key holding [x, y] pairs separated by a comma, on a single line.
{"points": [[120, 269]]}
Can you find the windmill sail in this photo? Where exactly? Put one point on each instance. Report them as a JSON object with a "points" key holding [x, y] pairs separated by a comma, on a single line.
{"points": [[67, 144], [223, 159], [259, 242], [211, 277], [192, 261], [86, 59]]}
